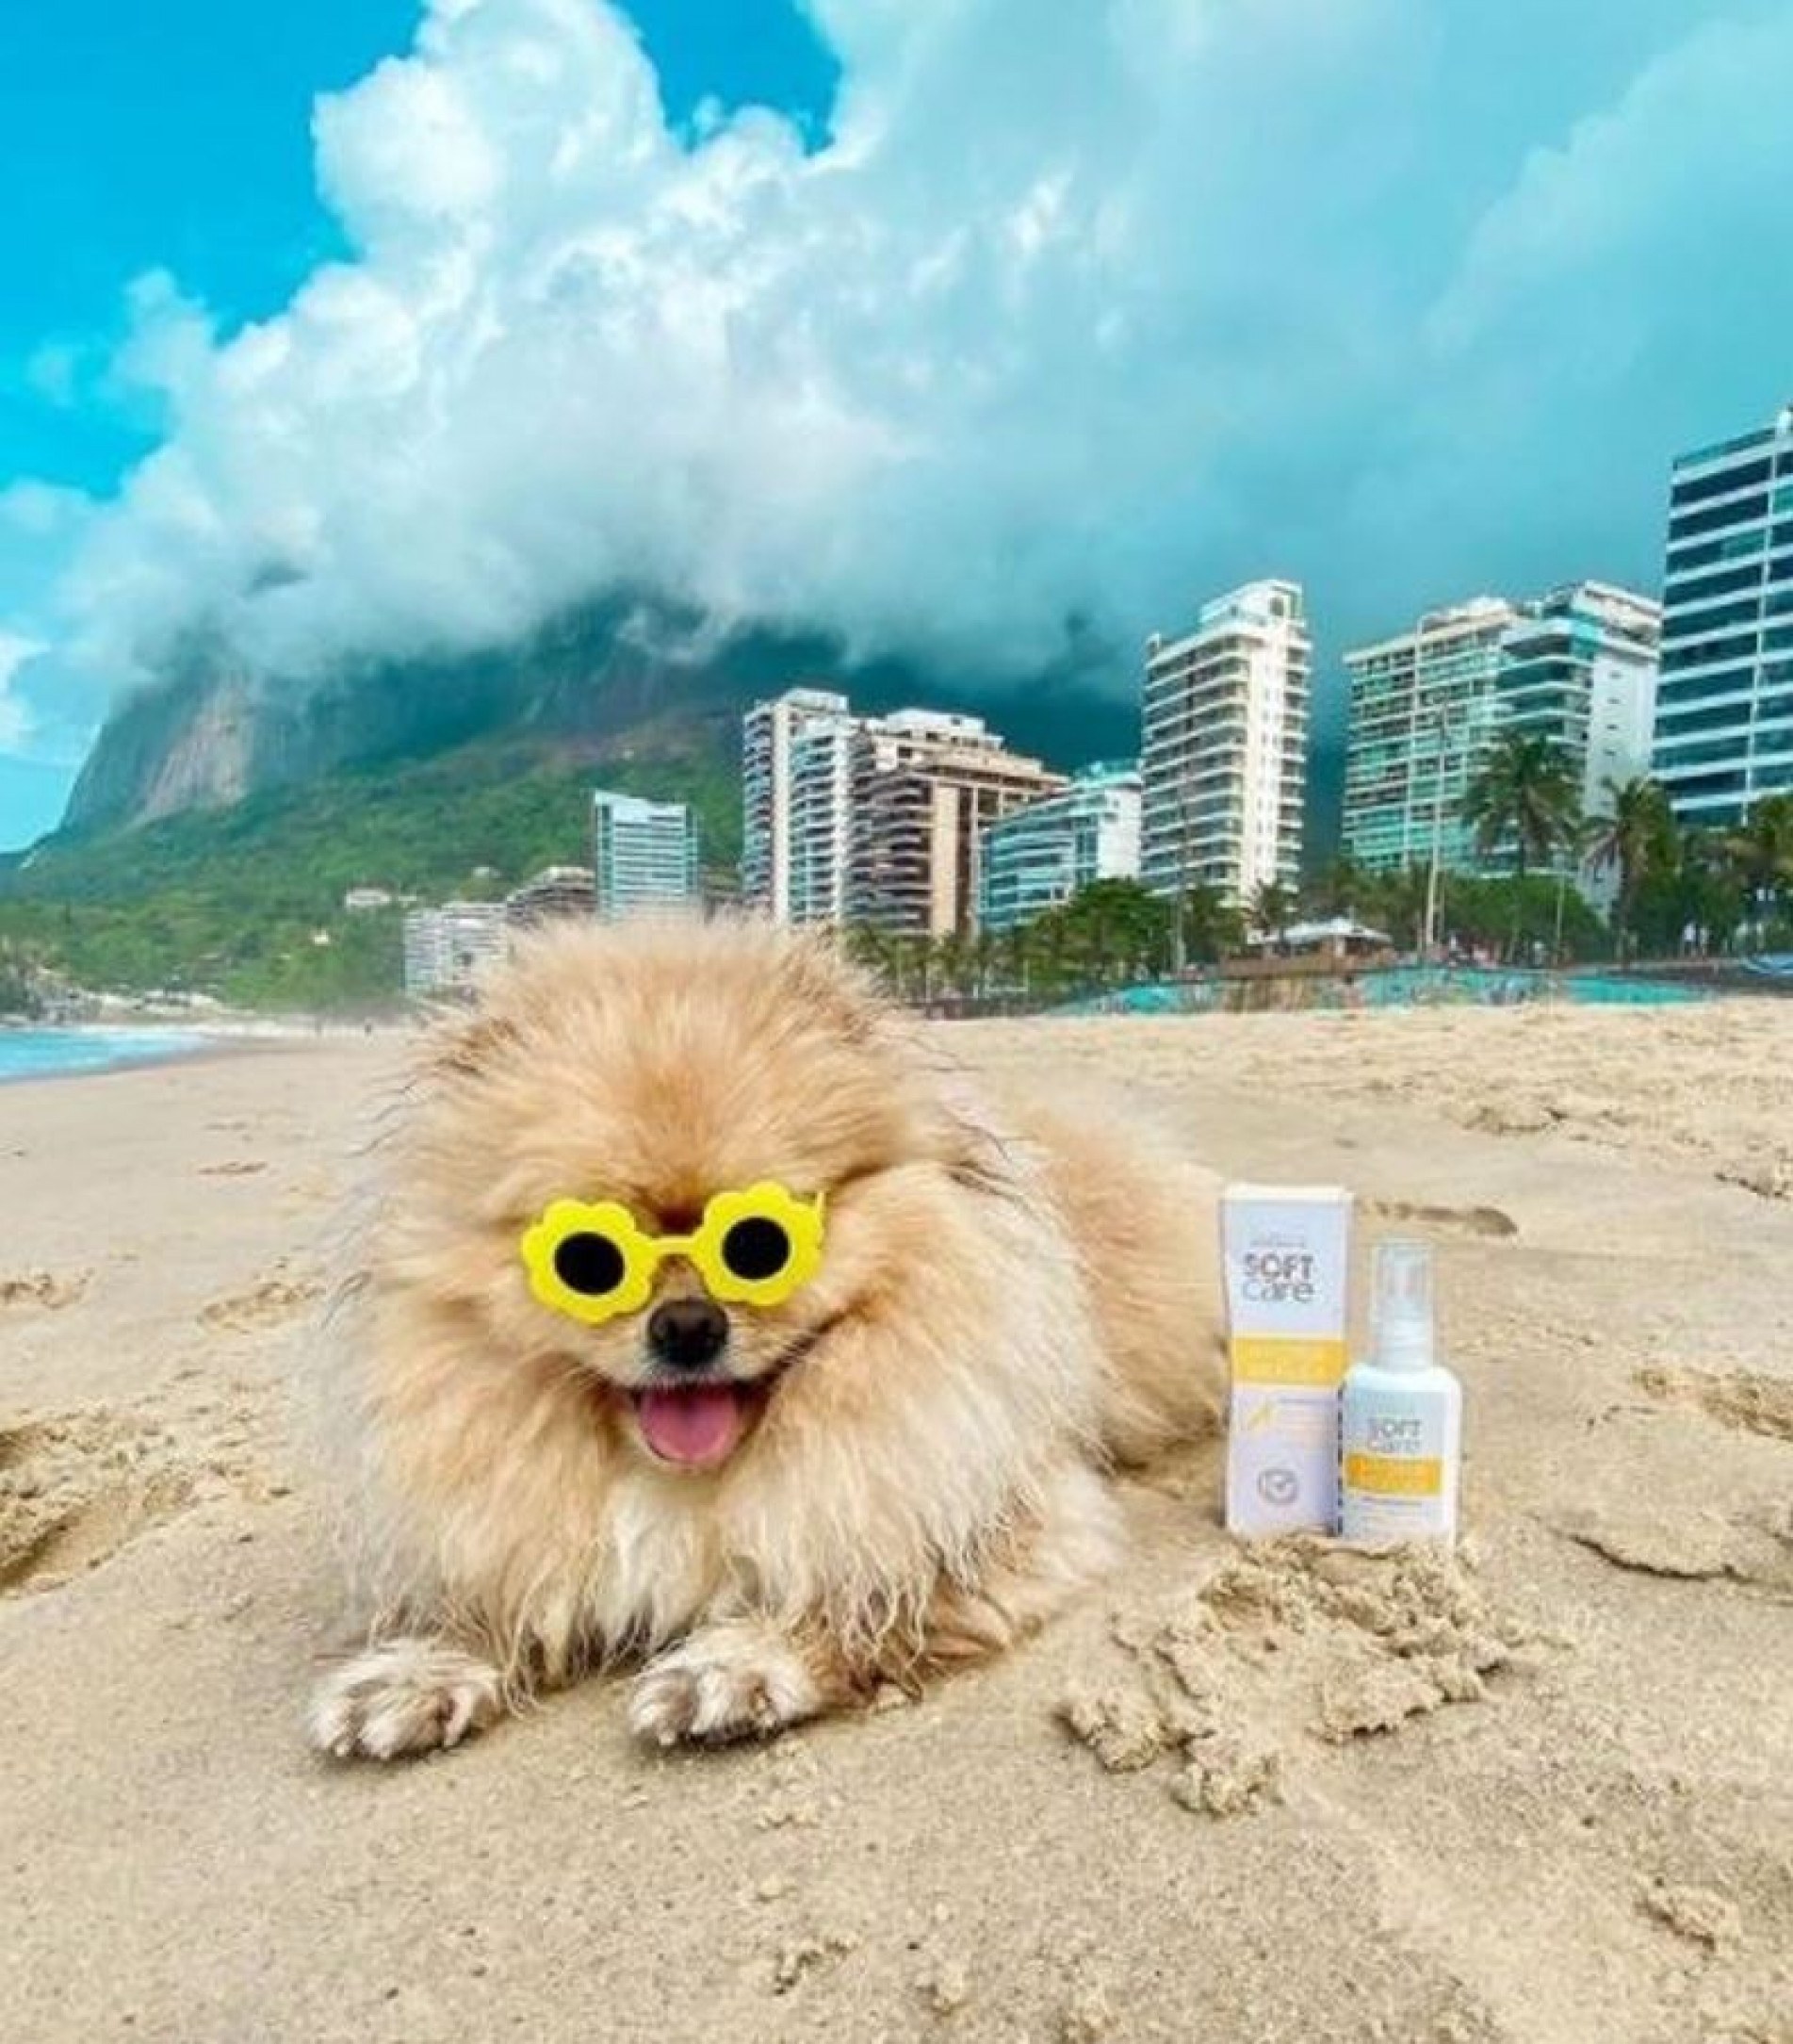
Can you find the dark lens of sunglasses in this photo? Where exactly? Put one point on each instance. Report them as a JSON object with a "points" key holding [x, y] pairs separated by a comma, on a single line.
{"points": [[589, 1265], [756, 1249]]}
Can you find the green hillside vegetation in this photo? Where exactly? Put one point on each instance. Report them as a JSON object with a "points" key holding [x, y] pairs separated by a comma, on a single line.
{"points": [[233, 903]]}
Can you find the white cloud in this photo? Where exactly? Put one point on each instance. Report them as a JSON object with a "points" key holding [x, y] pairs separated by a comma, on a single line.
{"points": [[1082, 309], [43, 706], [1624, 298], [15, 722]]}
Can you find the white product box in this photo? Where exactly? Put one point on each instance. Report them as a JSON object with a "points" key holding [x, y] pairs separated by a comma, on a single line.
{"points": [[1287, 1257]]}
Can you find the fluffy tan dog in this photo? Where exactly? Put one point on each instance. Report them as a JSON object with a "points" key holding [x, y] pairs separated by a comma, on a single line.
{"points": [[774, 1508]]}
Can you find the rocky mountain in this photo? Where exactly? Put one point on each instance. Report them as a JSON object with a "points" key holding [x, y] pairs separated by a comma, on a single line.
{"points": [[622, 678]]}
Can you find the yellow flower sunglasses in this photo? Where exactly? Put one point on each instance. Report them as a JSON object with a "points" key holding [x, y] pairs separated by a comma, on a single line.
{"points": [[594, 1260]]}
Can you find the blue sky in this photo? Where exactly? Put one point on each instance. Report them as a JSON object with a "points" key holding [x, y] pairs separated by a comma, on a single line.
{"points": [[177, 137], [173, 136], [359, 326]]}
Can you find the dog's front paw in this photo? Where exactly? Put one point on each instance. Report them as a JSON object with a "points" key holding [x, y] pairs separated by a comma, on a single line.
{"points": [[404, 1696], [736, 1681]]}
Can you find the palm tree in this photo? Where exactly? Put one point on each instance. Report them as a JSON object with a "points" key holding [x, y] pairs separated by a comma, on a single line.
{"points": [[1335, 889], [1637, 836], [1210, 927], [1270, 908], [875, 950], [1394, 902], [1118, 928], [1015, 958], [986, 948], [1524, 794], [911, 966], [1759, 854], [953, 961], [1578, 845]]}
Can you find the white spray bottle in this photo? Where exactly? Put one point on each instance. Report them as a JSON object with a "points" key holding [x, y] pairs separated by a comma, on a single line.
{"points": [[1401, 1414]]}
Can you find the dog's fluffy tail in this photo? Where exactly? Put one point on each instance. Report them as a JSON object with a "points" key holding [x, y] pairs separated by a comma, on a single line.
{"points": [[1145, 1223]]}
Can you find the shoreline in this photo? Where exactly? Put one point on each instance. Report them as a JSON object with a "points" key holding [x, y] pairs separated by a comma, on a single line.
{"points": [[197, 1047]]}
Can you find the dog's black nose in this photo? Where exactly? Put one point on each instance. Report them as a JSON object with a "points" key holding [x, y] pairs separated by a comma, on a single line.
{"points": [[687, 1333]]}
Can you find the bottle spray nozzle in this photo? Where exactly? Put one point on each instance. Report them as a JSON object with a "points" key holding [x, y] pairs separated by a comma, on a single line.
{"points": [[1402, 1308]]}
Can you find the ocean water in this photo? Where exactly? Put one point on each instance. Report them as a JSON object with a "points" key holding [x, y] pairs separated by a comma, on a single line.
{"points": [[42, 1053]]}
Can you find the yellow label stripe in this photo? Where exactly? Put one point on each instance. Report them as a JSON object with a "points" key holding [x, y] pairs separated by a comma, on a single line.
{"points": [[1394, 1476], [1288, 1359]]}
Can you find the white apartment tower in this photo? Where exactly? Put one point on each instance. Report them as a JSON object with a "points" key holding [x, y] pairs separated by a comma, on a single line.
{"points": [[447, 949], [870, 819], [1580, 669], [1040, 855], [1423, 708], [796, 799], [926, 785], [1224, 743], [554, 894], [643, 853], [1576, 666], [1724, 709]]}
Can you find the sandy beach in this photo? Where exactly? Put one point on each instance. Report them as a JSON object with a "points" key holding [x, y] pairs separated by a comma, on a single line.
{"points": [[1541, 1795]]}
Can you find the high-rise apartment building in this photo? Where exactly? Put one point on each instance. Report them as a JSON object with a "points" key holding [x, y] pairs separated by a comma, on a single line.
{"points": [[1039, 855], [873, 820], [1725, 705], [446, 949], [796, 805], [553, 895], [643, 853], [1223, 762], [1577, 666], [926, 785], [1423, 708]]}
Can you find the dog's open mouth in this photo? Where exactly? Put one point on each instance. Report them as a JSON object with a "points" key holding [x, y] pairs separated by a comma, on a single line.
{"points": [[698, 1426]]}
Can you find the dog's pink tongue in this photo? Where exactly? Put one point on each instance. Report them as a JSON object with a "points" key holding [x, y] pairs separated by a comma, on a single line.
{"points": [[696, 1426]]}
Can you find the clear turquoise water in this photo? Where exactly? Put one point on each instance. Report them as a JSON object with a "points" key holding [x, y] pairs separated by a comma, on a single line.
{"points": [[42, 1053]]}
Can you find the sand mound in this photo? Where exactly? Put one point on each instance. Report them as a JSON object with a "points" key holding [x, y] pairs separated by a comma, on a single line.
{"points": [[1472, 1220], [1694, 1547], [43, 1289], [1769, 1178], [269, 1303], [1742, 1398], [1296, 1638], [75, 1490]]}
